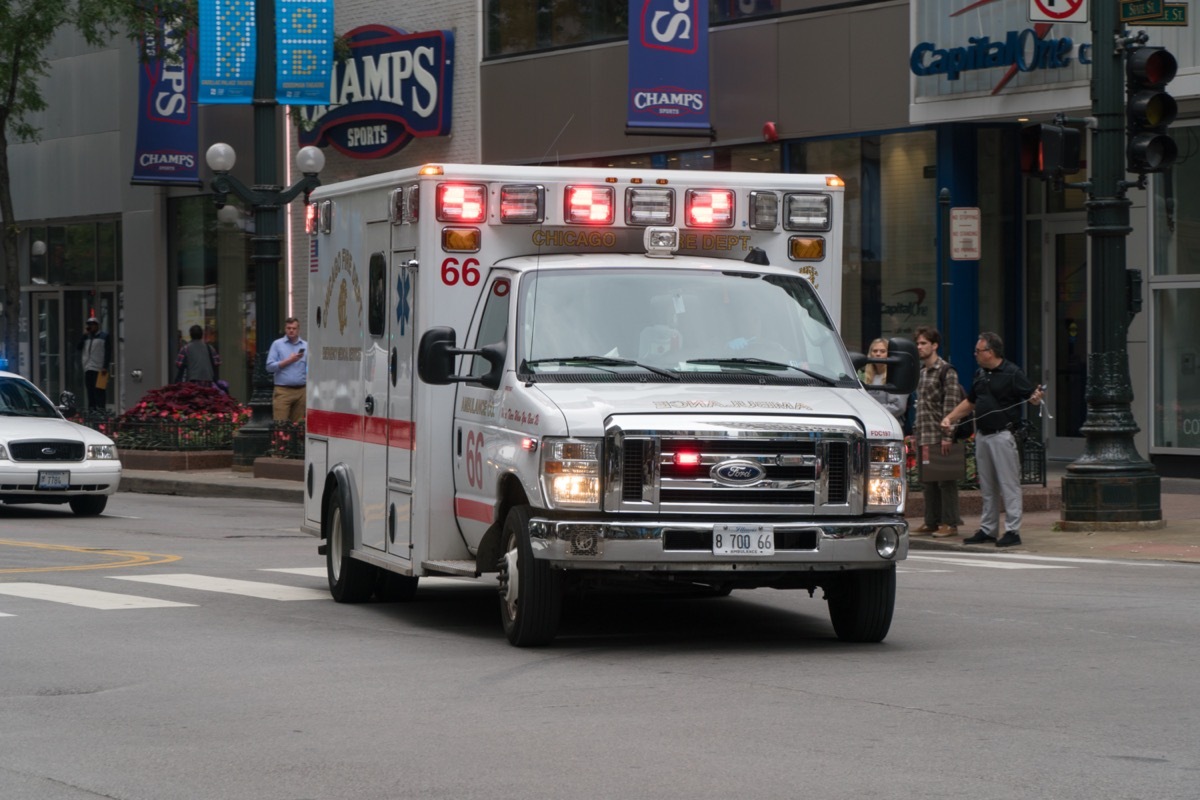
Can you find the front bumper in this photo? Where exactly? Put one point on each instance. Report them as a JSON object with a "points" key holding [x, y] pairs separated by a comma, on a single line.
{"points": [[686, 546], [20, 480]]}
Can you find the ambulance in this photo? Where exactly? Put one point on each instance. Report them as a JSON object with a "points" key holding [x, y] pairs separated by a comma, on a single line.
{"points": [[579, 379]]}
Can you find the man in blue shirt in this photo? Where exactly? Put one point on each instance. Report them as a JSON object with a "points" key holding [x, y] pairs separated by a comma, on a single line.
{"points": [[286, 361]]}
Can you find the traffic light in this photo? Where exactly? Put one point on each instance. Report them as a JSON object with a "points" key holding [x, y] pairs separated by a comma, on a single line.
{"points": [[1149, 110], [1049, 151]]}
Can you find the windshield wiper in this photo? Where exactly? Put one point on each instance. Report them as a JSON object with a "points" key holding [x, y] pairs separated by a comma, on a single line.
{"points": [[762, 362], [604, 361]]}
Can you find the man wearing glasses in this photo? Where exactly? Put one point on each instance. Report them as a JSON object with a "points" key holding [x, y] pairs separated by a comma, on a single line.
{"points": [[997, 392]]}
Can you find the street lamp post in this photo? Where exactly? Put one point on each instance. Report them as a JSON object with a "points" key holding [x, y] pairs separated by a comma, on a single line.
{"points": [[267, 202]]}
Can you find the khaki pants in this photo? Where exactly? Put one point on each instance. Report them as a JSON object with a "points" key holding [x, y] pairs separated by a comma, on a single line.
{"points": [[288, 403]]}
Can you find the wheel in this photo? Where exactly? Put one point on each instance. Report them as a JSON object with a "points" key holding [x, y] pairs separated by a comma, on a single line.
{"points": [[861, 604], [89, 506], [395, 588], [530, 590], [350, 581]]}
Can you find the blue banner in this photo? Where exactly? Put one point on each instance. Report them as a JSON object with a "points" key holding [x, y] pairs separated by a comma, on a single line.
{"points": [[303, 51], [227, 51], [167, 133], [395, 87], [668, 65]]}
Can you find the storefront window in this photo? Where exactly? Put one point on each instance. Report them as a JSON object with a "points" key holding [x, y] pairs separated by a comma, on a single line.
{"points": [[1177, 377], [213, 286], [1177, 209], [76, 254]]}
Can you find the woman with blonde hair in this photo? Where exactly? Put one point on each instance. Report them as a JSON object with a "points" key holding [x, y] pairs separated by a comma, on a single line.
{"points": [[876, 374]]}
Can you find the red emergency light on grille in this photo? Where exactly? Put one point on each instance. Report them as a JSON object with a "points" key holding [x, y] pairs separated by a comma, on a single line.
{"points": [[687, 459], [461, 202], [589, 205], [310, 218], [708, 208]]}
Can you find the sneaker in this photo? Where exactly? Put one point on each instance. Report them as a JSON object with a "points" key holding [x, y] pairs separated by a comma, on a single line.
{"points": [[1009, 539], [945, 532], [924, 529], [980, 538]]}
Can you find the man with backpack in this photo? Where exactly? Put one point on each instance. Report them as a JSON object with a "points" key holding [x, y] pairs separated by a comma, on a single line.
{"points": [[197, 361], [938, 393]]}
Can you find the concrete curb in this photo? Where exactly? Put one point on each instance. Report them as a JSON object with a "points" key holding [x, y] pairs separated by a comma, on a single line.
{"points": [[245, 489]]}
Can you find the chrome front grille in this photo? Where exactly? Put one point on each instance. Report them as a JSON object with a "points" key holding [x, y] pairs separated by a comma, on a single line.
{"points": [[49, 450], [755, 465]]}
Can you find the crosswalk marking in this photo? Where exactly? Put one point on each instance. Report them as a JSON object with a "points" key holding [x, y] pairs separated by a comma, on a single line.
{"points": [[979, 562], [87, 598], [263, 591], [311, 572]]}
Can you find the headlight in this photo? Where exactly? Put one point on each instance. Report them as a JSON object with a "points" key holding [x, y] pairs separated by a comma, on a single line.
{"points": [[571, 473], [886, 484], [3, 453], [106, 452]]}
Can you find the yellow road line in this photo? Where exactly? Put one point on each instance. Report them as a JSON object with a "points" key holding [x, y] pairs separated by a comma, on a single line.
{"points": [[127, 558]]}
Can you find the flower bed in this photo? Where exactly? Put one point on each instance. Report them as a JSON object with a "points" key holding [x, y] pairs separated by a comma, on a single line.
{"points": [[180, 416]]}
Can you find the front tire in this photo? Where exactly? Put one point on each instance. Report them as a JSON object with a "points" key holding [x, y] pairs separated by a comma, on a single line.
{"points": [[89, 506], [530, 590], [350, 581], [861, 603]]}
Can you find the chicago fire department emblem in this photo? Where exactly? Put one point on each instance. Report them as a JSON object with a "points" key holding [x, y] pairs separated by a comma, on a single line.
{"points": [[345, 278]]}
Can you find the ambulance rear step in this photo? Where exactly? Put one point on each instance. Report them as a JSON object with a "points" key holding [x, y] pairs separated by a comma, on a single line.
{"points": [[463, 567]]}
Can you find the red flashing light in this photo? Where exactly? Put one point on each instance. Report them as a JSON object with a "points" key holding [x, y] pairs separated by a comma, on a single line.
{"points": [[686, 459], [461, 202], [709, 208], [590, 205], [310, 218]]}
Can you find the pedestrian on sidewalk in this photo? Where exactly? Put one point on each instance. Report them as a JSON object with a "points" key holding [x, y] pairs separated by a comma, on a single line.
{"points": [[876, 374], [938, 394], [286, 362], [198, 361], [95, 352], [998, 390]]}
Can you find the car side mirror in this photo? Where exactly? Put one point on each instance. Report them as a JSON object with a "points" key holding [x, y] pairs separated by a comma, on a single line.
{"points": [[67, 405], [435, 359]]}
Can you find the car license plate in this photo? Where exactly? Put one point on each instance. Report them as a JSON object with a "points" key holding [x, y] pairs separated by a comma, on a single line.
{"points": [[54, 479], [743, 540]]}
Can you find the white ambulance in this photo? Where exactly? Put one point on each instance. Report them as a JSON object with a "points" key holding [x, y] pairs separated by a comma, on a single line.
{"points": [[575, 378]]}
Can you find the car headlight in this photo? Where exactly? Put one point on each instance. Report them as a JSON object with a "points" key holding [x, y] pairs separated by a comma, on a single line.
{"points": [[104, 452], [3, 453], [886, 483], [571, 473]]}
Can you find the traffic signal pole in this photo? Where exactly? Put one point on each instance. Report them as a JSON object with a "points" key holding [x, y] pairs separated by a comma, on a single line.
{"points": [[1110, 486]]}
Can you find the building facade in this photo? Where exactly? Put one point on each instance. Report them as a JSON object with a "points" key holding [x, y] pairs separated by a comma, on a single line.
{"points": [[854, 88]]}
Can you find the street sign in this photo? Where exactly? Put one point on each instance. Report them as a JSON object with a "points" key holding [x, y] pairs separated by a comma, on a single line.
{"points": [[1173, 14], [1058, 11], [1136, 10], [965, 232]]}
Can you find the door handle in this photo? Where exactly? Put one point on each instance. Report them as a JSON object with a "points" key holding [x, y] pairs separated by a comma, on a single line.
{"points": [[392, 367], [369, 405]]}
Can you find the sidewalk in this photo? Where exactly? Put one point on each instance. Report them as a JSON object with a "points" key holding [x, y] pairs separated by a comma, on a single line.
{"points": [[1179, 540]]}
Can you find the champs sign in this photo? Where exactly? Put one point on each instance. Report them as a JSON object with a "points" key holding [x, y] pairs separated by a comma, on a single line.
{"points": [[396, 86]]}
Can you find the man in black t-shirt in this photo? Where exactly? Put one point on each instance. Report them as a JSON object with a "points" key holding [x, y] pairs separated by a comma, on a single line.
{"points": [[997, 392]]}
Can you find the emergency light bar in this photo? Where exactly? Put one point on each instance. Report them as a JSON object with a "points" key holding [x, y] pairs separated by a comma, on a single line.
{"points": [[649, 206], [589, 205], [522, 203], [708, 208], [764, 211], [806, 248], [806, 212], [461, 202]]}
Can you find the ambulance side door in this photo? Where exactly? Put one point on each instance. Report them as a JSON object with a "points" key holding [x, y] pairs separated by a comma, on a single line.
{"points": [[375, 378], [479, 434], [399, 311]]}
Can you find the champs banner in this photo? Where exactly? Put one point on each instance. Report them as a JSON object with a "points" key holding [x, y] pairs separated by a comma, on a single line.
{"points": [[303, 51], [668, 65], [167, 149], [227, 51]]}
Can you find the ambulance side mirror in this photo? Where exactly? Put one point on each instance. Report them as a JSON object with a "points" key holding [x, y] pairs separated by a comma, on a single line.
{"points": [[903, 366], [435, 360]]}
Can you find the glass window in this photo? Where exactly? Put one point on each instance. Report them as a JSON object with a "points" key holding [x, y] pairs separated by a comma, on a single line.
{"points": [[376, 294], [38, 263], [107, 243], [493, 327], [1177, 375], [1177, 209], [56, 254], [80, 254]]}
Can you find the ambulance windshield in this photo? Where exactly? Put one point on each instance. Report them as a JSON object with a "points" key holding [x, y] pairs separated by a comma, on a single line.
{"points": [[680, 321]]}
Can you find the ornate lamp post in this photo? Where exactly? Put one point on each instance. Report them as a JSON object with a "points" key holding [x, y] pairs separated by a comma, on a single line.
{"points": [[267, 202]]}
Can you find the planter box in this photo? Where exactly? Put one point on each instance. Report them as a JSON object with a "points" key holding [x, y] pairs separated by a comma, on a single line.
{"points": [[176, 460]]}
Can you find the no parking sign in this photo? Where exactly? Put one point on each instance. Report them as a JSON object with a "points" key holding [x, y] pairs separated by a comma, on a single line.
{"points": [[1058, 11]]}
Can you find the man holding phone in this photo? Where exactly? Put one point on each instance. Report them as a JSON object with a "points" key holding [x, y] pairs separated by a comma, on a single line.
{"points": [[286, 361]]}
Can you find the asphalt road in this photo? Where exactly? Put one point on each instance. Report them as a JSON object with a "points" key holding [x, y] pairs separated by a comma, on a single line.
{"points": [[216, 676]]}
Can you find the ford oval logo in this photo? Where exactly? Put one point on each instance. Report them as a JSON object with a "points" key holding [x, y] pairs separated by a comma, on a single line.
{"points": [[738, 472], [48, 451]]}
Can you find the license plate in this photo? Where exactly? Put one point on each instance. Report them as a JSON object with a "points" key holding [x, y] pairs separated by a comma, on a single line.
{"points": [[743, 540], [54, 479]]}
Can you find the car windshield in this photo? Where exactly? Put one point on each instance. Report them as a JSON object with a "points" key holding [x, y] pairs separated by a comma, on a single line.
{"points": [[19, 398], [683, 321]]}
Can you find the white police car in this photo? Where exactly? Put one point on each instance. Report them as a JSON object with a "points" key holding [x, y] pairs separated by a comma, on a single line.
{"points": [[44, 458]]}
